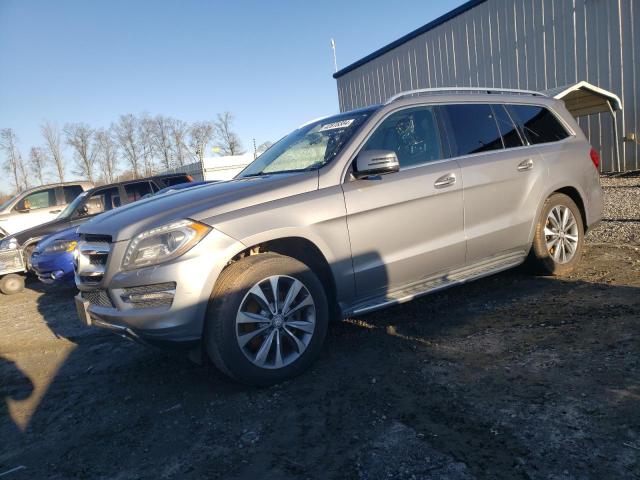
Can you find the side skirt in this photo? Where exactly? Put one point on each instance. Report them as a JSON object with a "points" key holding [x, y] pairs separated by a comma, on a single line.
{"points": [[439, 282]]}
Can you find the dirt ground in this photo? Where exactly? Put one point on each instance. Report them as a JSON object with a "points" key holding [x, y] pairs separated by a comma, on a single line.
{"points": [[509, 377]]}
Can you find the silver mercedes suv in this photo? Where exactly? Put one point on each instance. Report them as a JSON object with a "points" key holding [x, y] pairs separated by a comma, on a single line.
{"points": [[345, 215]]}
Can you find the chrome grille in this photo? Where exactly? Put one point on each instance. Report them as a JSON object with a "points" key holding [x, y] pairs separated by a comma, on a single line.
{"points": [[97, 297], [90, 261]]}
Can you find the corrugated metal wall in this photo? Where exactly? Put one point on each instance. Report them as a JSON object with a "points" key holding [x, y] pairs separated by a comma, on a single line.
{"points": [[528, 44]]}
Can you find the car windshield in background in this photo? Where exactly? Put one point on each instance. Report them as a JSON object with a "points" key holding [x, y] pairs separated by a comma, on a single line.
{"points": [[68, 211], [309, 147]]}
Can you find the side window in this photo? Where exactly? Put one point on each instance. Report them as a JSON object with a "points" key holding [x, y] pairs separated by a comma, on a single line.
{"points": [[508, 130], [537, 123], [472, 128], [135, 191], [42, 199], [102, 201], [71, 192], [171, 181], [412, 134]]}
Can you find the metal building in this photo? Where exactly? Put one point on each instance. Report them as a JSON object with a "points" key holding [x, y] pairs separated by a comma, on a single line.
{"points": [[543, 45]]}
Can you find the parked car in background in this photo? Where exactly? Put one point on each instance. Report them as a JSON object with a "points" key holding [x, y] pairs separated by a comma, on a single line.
{"points": [[52, 259], [37, 205], [345, 215], [16, 249]]}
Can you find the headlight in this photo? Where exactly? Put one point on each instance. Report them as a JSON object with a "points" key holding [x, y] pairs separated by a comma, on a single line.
{"points": [[163, 243], [60, 246], [9, 244]]}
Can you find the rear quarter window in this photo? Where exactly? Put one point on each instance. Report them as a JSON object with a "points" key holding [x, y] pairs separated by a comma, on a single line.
{"points": [[178, 179], [537, 124]]}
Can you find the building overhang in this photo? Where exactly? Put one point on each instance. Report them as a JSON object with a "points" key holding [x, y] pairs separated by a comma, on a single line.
{"points": [[583, 99]]}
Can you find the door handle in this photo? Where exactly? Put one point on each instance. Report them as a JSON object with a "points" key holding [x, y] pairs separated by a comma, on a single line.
{"points": [[525, 165], [445, 180], [55, 211]]}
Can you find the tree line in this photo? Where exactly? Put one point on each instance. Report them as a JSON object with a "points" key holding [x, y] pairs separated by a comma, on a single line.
{"points": [[133, 146]]}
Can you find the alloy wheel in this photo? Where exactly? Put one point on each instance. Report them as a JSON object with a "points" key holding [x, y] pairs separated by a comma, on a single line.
{"points": [[275, 322], [561, 234]]}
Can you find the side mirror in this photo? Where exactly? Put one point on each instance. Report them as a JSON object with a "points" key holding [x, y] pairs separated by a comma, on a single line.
{"points": [[376, 162], [82, 211], [22, 207]]}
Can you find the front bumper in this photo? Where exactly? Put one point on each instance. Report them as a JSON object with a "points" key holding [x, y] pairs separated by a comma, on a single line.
{"points": [[181, 322], [53, 268]]}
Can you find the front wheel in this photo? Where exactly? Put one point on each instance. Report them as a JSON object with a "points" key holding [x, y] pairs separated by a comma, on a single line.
{"points": [[559, 237], [11, 283], [267, 319]]}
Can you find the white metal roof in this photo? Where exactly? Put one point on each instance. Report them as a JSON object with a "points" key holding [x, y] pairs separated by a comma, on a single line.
{"points": [[583, 98]]}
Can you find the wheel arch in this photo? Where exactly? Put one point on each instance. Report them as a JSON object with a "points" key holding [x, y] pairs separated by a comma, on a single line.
{"points": [[303, 250], [572, 191], [574, 195]]}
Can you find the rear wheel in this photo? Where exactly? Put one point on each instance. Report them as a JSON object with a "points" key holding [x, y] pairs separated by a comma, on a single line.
{"points": [[11, 283], [267, 319], [559, 238]]}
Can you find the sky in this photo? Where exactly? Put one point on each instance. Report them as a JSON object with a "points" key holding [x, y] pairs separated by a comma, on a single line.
{"points": [[268, 62]]}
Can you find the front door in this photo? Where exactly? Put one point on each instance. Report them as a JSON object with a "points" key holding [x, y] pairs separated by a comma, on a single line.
{"points": [[408, 225], [33, 210]]}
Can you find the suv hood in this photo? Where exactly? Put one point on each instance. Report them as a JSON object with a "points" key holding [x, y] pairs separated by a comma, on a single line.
{"points": [[199, 203]]}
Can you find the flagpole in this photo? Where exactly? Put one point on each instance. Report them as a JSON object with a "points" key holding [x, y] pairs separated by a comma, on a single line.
{"points": [[335, 62]]}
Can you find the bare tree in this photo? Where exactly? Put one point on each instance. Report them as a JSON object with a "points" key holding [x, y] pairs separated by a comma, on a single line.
{"points": [[162, 140], [224, 137], [37, 162], [106, 154], [146, 141], [263, 147], [200, 135], [80, 138], [13, 160], [179, 132], [53, 143], [126, 134]]}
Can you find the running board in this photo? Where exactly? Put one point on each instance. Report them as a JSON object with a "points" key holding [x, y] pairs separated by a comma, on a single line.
{"points": [[439, 282]]}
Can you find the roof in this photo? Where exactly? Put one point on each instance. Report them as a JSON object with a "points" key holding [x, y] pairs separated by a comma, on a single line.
{"points": [[583, 98], [57, 184], [411, 35]]}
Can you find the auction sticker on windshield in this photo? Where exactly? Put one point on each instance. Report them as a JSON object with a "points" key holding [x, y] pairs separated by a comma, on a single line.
{"points": [[336, 125]]}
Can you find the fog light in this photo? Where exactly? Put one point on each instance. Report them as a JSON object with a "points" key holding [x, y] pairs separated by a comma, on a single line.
{"points": [[148, 296]]}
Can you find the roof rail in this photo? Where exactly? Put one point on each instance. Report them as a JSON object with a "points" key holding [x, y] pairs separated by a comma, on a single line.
{"points": [[463, 89]]}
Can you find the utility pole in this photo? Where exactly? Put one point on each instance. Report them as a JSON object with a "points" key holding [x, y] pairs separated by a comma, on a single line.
{"points": [[335, 62]]}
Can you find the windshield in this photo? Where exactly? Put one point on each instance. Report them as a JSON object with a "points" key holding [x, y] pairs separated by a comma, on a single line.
{"points": [[68, 211], [8, 202], [309, 147]]}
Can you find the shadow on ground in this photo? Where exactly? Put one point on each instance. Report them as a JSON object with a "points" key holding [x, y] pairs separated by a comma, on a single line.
{"points": [[509, 377]]}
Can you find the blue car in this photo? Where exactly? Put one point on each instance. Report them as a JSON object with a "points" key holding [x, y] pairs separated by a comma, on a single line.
{"points": [[52, 259]]}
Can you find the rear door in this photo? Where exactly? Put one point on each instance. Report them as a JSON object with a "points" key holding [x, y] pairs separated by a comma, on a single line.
{"points": [[503, 178], [408, 225]]}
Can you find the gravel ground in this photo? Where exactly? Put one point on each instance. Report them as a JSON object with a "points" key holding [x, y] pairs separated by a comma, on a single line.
{"points": [[621, 217], [509, 377]]}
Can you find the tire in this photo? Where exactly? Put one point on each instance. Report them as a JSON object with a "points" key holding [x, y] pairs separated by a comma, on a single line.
{"points": [[27, 260], [242, 308], [11, 284], [565, 255]]}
